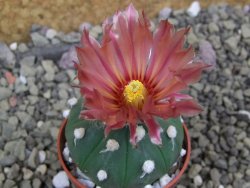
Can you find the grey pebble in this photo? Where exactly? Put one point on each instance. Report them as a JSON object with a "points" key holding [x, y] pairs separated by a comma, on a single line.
{"points": [[38, 39], [5, 93], [7, 57]]}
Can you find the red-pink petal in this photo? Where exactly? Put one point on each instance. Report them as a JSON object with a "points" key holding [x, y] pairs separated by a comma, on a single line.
{"points": [[154, 131], [187, 108]]}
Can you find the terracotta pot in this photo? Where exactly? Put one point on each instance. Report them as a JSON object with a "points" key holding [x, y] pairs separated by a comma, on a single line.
{"points": [[61, 142]]}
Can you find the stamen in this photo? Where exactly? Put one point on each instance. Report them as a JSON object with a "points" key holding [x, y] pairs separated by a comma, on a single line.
{"points": [[135, 93]]}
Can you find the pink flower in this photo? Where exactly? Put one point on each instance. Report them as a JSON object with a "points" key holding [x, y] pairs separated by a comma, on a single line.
{"points": [[134, 75]]}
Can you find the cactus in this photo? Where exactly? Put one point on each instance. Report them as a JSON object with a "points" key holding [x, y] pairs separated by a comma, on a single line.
{"points": [[123, 166]]}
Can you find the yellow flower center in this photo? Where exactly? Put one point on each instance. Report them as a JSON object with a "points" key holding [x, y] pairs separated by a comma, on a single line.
{"points": [[135, 93]]}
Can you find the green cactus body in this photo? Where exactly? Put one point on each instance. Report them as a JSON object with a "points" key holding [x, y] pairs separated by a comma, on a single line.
{"points": [[124, 165]]}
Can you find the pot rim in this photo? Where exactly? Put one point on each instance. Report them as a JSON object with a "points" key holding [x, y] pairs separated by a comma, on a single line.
{"points": [[74, 180]]}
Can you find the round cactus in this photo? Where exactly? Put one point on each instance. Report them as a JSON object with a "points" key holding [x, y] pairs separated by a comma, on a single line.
{"points": [[112, 161]]}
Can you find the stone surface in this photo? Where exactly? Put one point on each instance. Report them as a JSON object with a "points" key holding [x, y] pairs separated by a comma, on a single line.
{"points": [[4, 93], [7, 57]]}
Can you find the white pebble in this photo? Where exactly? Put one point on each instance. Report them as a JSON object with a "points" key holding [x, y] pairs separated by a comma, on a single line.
{"points": [[88, 183], [72, 101], [79, 133], [102, 175], [171, 131], [6, 170], [66, 153], [39, 124], [66, 113], [148, 186], [13, 46], [42, 156], [140, 133], [148, 166], [198, 180], [81, 174], [70, 160], [51, 33], [194, 9], [156, 185], [244, 112], [164, 180], [60, 180], [221, 186], [183, 152], [22, 79]]}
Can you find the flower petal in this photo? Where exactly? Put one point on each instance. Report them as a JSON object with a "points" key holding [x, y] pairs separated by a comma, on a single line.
{"points": [[154, 131], [187, 108]]}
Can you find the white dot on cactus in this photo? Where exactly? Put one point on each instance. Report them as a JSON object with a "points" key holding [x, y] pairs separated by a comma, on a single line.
{"points": [[102, 175], [78, 133], [164, 180], [148, 186], [183, 152], [98, 187], [171, 131], [72, 101], [140, 133], [147, 167], [112, 145], [66, 113]]}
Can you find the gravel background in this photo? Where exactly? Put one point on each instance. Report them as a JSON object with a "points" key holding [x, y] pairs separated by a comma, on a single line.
{"points": [[35, 88]]}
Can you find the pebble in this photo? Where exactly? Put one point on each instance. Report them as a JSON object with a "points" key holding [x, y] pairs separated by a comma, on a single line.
{"points": [[42, 156], [7, 57], [41, 169], [16, 148], [4, 93], [85, 25], [51, 33], [60, 180], [27, 173], [232, 42], [36, 183], [165, 13], [32, 160], [194, 9], [245, 30], [194, 170], [38, 39], [221, 164], [13, 46], [198, 180]]}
